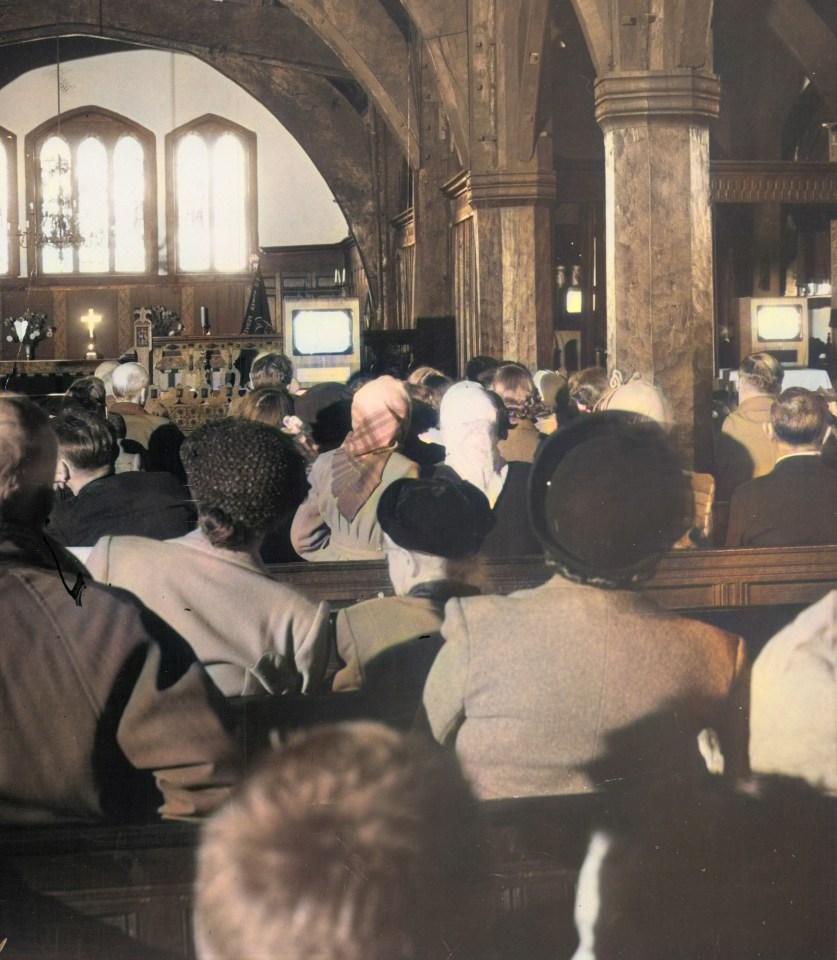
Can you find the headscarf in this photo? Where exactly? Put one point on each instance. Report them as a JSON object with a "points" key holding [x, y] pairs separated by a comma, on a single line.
{"points": [[468, 419], [380, 417]]}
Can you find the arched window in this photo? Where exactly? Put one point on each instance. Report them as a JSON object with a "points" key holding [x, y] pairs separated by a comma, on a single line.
{"points": [[212, 213], [8, 203], [96, 172]]}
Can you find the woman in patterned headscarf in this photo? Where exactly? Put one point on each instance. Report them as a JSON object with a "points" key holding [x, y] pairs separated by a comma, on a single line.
{"points": [[338, 519]]}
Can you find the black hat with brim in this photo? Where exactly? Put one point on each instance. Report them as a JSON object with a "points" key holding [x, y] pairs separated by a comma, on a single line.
{"points": [[446, 518], [606, 494]]}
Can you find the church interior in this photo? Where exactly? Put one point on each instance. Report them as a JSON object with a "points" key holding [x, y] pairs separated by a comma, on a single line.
{"points": [[562, 183]]}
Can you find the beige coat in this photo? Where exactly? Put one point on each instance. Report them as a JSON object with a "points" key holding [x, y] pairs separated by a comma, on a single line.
{"points": [[252, 633], [531, 686], [321, 532]]}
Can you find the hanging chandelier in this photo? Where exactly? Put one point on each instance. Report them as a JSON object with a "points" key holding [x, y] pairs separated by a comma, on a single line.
{"points": [[56, 225]]}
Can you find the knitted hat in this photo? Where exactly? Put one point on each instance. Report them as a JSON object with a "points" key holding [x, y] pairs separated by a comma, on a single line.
{"points": [[245, 469], [606, 494], [446, 518]]}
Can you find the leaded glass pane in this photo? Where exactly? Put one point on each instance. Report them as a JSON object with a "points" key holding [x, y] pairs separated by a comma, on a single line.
{"points": [[94, 253], [229, 193], [129, 206], [193, 197]]}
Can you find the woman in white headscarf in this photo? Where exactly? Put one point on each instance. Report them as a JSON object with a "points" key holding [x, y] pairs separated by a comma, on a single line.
{"points": [[471, 421]]}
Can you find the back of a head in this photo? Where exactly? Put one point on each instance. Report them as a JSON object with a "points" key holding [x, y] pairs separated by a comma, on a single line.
{"points": [[86, 392], [86, 440], [606, 495], [245, 477], [762, 373], [515, 386], [271, 369], [467, 403], [27, 460], [799, 417], [129, 381], [588, 385], [353, 842], [440, 517], [104, 372], [269, 404], [480, 369]]}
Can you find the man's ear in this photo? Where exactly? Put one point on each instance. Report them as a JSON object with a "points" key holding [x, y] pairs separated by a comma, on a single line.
{"points": [[62, 473]]}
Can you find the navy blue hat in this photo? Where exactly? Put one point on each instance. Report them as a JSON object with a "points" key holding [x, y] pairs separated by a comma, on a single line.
{"points": [[606, 494], [447, 518]]}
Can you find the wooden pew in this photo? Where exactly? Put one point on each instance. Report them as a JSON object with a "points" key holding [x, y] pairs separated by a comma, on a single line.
{"points": [[133, 884]]}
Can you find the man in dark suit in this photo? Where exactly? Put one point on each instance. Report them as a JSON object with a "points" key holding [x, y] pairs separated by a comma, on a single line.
{"points": [[105, 503], [796, 503]]}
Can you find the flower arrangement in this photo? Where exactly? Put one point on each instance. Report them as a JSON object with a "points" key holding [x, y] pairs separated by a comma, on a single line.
{"points": [[28, 328]]}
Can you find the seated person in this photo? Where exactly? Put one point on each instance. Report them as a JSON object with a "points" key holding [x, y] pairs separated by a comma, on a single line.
{"points": [[105, 503], [252, 633], [528, 686], [586, 387], [104, 372], [796, 503], [269, 369], [86, 392], [98, 696], [744, 449], [710, 870], [353, 842], [428, 525], [514, 385], [471, 420], [338, 519], [158, 436], [793, 716]]}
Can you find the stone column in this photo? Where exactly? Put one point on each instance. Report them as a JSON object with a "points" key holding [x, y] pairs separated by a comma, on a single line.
{"points": [[513, 234], [659, 240]]}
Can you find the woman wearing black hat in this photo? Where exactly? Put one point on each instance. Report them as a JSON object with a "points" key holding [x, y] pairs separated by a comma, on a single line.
{"points": [[430, 527], [529, 687]]}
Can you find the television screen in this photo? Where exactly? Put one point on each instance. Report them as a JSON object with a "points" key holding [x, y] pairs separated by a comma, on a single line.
{"points": [[779, 322], [321, 331]]}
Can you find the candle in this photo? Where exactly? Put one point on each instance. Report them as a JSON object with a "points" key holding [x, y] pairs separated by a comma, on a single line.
{"points": [[204, 318]]}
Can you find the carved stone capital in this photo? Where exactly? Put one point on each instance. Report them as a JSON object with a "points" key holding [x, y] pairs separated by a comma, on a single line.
{"points": [[684, 96], [504, 188]]}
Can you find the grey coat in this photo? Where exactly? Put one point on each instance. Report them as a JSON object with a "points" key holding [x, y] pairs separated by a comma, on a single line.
{"points": [[531, 687]]}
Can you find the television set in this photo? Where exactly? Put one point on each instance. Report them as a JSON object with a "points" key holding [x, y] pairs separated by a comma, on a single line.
{"points": [[776, 325], [322, 338]]}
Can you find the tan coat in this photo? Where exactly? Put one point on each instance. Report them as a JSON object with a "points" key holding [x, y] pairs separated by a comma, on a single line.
{"points": [[252, 633], [530, 687], [744, 450], [321, 532]]}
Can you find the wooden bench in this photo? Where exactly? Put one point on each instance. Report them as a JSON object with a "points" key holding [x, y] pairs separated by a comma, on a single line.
{"points": [[105, 892], [751, 592]]}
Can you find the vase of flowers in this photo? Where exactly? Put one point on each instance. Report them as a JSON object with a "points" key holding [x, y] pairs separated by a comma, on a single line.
{"points": [[28, 330]]}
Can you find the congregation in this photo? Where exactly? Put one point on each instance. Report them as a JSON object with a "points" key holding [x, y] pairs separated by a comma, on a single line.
{"points": [[142, 589]]}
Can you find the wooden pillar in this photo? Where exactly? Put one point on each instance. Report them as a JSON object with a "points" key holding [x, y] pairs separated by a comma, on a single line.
{"points": [[832, 155], [433, 287], [659, 239]]}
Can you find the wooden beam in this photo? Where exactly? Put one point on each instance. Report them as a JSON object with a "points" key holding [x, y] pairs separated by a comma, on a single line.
{"points": [[269, 34], [373, 49], [808, 38]]}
